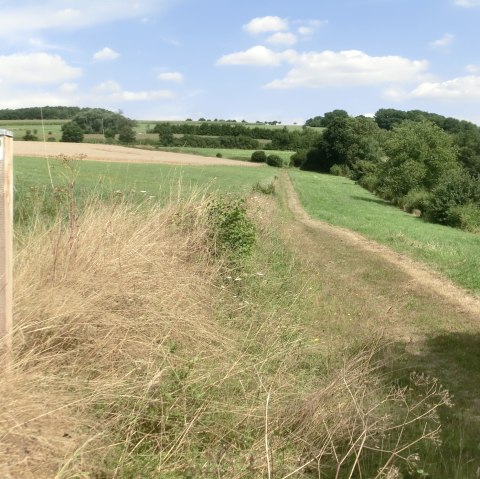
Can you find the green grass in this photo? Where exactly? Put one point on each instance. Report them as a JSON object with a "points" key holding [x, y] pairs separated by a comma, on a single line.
{"points": [[231, 153], [159, 180], [341, 202]]}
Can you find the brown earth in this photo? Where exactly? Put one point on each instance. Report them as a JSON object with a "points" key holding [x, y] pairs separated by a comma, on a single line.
{"points": [[119, 154]]}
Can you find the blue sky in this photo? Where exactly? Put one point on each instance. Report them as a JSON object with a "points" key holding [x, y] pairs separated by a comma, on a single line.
{"points": [[254, 60]]}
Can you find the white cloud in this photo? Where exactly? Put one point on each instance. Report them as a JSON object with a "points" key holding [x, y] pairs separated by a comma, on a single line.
{"points": [[465, 88], [282, 38], [467, 3], [109, 86], [175, 77], [36, 68], [144, 95], [443, 42], [266, 24], [472, 68], [349, 68], [17, 18], [106, 54], [258, 56], [309, 27]]}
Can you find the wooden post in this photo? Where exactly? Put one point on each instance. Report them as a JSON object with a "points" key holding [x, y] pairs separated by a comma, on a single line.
{"points": [[6, 244]]}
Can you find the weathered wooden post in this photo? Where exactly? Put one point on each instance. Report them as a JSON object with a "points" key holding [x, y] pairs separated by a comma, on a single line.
{"points": [[6, 243]]}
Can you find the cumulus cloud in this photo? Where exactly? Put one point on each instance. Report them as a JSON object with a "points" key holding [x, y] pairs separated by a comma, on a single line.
{"points": [[258, 56], [465, 88], [443, 42], [467, 3], [175, 77], [349, 68], [282, 38], [36, 69], [106, 54], [266, 24]]}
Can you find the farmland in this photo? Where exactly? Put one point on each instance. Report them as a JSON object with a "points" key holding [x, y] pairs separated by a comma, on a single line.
{"points": [[172, 301]]}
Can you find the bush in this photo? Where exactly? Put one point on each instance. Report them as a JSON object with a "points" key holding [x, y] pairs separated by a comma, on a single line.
{"points": [[258, 157], [232, 233], [219, 155], [454, 189], [416, 200], [298, 158], [466, 217], [29, 136], [275, 160], [340, 170], [369, 182]]}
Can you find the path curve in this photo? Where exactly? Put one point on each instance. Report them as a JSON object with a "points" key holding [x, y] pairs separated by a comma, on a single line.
{"points": [[424, 276], [119, 154]]}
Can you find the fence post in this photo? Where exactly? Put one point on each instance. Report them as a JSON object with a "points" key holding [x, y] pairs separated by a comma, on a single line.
{"points": [[6, 244]]}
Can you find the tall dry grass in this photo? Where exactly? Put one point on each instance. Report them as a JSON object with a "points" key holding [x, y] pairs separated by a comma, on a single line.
{"points": [[134, 358]]}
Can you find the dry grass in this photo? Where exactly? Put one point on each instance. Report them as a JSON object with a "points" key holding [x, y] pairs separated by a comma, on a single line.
{"points": [[134, 358]]}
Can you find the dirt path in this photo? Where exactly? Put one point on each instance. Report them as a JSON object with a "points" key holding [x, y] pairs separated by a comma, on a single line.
{"points": [[420, 274], [119, 154]]}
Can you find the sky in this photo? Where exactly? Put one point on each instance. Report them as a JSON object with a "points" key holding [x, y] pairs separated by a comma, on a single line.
{"points": [[247, 59]]}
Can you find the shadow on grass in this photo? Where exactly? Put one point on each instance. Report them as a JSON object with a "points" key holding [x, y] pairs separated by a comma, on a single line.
{"points": [[374, 200], [453, 358]]}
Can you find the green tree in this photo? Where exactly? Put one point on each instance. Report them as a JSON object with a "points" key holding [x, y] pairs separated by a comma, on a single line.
{"points": [[72, 133], [418, 155], [126, 135]]}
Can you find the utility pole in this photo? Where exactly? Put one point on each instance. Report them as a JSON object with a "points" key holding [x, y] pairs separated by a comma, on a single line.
{"points": [[6, 244]]}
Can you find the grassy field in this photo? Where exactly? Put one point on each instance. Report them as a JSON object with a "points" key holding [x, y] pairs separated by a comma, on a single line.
{"points": [[183, 364], [143, 179], [341, 202]]}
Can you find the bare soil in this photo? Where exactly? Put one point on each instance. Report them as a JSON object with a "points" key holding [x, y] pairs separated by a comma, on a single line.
{"points": [[119, 154]]}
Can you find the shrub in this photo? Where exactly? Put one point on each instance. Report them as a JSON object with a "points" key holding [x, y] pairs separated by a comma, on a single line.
{"points": [[369, 182], [416, 200], [232, 233], [219, 155], [258, 157], [266, 189], [29, 136], [466, 217], [454, 189], [275, 160], [340, 170], [298, 158]]}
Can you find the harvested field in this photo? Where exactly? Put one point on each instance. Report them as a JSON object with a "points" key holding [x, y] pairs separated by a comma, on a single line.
{"points": [[120, 154]]}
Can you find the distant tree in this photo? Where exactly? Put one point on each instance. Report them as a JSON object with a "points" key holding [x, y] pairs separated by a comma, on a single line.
{"points": [[316, 121], [126, 135], [330, 116], [387, 118], [72, 133], [259, 157], [29, 136]]}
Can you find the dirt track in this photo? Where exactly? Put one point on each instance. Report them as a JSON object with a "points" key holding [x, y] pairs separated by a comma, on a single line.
{"points": [[420, 274], [119, 154]]}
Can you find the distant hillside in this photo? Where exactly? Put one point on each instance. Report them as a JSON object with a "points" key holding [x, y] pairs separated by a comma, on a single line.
{"points": [[35, 113]]}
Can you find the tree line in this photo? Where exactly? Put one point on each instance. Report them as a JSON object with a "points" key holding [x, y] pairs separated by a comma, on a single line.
{"points": [[416, 160], [37, 113], [218, 135]]}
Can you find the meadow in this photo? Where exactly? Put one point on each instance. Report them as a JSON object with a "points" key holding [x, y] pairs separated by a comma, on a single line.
{"points": [[160, 339], [449, 250]]}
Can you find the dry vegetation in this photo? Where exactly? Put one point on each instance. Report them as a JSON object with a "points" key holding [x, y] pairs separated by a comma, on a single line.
{"points": [[138, 353]]}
